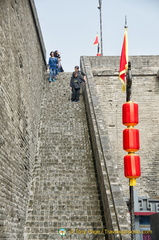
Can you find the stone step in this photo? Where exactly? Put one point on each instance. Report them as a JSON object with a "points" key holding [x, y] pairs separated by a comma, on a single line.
{"points": [[64, 191]]}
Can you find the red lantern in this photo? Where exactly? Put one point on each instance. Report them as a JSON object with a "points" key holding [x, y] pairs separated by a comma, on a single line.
{"points": [[131, 140], [132, 166], [130, 114]]}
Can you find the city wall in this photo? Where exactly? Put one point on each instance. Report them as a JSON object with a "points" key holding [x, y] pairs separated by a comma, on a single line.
{"points": [[104, 99], [21, 91]]}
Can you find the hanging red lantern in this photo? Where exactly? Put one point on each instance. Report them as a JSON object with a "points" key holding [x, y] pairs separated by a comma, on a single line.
{"points": [[130, 114], [131, 140], [132, 166]]}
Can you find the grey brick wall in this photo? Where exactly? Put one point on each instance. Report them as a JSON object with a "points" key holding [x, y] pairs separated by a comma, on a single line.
{"points": [[21, 89], [106, 98], [145, 92]]}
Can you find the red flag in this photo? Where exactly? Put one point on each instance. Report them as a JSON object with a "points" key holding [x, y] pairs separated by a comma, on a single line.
{"points": [[124, 61], [96, 40]]}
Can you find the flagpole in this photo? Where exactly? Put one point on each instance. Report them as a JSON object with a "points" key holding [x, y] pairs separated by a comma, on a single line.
{"points": [[131, 186], [101, 38]]}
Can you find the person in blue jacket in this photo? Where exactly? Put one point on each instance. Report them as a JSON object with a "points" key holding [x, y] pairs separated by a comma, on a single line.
{"points": [[52, 66]]}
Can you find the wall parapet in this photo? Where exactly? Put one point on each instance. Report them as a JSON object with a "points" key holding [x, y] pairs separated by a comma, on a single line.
{"points": [[38, 29]]}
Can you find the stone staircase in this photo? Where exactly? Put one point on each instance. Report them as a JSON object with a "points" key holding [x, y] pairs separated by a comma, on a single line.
{"points": [[64, 190]]}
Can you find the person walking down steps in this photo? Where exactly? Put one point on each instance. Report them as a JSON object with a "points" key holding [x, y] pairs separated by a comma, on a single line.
{"points": [[75, 84], [52, 66]]}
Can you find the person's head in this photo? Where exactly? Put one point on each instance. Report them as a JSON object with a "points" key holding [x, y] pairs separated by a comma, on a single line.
{"points": [[57, 54], [75, 74], [52, 54], [76, 68]]}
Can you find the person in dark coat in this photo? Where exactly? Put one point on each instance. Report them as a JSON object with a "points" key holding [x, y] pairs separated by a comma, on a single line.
{"points": [[75, 84], [57, 55]]}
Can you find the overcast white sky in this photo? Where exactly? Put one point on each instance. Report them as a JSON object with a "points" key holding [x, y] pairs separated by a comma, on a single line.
{"points": [[70, 26]]}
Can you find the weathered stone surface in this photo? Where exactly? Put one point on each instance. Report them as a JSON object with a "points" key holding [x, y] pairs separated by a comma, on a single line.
{"points": [[21, 90], [145, 91], [107, 98], [64, 191]]}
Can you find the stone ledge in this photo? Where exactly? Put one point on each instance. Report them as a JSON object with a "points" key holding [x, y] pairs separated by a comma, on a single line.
{"points": [[38, 29], [143, 71]]}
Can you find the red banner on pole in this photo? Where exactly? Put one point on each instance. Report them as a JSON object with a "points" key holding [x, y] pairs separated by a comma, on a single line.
{"points": [[96, 40], [124, 61]]}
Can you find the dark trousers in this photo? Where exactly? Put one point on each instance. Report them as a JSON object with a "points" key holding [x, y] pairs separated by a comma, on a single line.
{"points": [[75, 94]]}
